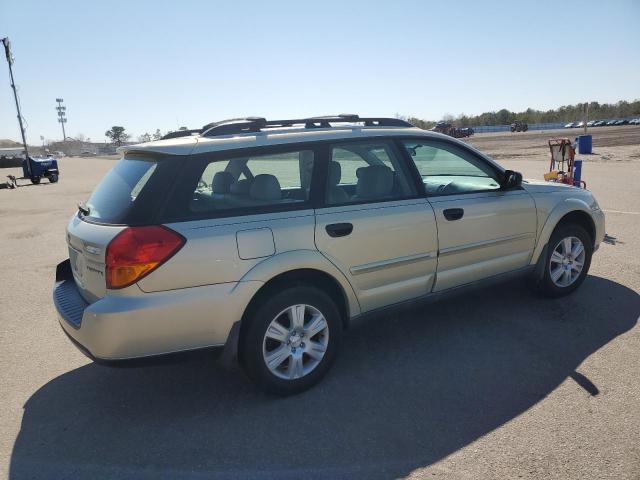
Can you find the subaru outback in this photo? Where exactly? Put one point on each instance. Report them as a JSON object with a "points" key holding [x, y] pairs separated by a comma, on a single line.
{"points": [[269, 238]]}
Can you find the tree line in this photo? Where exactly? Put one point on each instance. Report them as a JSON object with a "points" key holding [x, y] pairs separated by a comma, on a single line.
{"points": [[564, 114], [118, 136]]}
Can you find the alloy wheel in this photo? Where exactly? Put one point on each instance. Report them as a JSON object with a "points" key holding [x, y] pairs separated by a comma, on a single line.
{"points": [[295, 342], [566, 262]]}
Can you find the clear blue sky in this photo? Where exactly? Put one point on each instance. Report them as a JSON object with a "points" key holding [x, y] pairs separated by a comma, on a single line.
{"points": [[154, 64]]}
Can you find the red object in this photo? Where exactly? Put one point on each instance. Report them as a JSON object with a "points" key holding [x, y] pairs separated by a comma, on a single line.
{"points": [[137, 251], [563, 158]]}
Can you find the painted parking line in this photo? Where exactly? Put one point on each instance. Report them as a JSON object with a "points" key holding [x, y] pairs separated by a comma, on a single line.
{"points": [[621, 211]]}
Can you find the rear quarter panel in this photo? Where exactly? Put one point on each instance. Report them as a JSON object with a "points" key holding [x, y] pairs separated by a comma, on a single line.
{"points": [[225, 249]]}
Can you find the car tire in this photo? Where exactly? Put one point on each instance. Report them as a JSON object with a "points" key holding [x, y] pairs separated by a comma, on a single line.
{"points": [[564, 272], [282, 358], [35, 180], [53, 178]]}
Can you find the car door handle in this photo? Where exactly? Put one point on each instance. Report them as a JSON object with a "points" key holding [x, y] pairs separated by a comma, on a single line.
{"points": [[453, 213], [339, 229]]}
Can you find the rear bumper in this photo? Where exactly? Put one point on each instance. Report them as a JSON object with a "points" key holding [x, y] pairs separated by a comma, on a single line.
{"points": [[119, 327]]}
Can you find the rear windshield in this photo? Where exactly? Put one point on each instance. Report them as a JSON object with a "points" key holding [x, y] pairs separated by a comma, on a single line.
{"points": [[116, 193]]}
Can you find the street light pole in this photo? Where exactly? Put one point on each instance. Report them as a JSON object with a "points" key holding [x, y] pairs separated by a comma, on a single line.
{"points": [[62, 116], [7, 51]]}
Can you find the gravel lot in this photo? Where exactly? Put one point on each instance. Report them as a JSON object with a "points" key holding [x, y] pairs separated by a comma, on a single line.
{"points": [[497, 384]]}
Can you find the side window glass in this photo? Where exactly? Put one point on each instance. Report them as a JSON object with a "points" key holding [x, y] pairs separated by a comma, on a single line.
{"points": [[254, 182], [206, 180], [350, 163], [135, 191], [448, 171], [365, 172]]}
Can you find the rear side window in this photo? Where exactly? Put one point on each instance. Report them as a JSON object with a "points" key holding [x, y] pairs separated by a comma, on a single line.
{"points": [[361, 172], [253, 183], [115, 195]]}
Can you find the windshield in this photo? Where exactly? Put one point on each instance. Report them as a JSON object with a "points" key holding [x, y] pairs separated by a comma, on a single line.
{"points": [[118, 190]]}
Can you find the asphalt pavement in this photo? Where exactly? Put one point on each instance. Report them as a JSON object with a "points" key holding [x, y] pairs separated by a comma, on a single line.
{"points": [[499, 383]]}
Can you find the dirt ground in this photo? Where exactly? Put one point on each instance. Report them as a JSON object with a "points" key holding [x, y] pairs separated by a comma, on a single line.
{"points": [[609, 143], [496, 384]]}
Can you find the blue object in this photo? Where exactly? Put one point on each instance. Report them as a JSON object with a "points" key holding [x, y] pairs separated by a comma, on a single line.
{"points": [[40, 167], [584, 144], [577, 171]]}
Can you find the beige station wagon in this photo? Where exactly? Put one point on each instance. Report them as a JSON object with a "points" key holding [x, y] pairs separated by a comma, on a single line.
{"points": [[270, 237]]}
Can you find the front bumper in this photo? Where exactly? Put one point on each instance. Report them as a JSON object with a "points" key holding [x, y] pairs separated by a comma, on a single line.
{"points": [[599, 222], [118, 327]]}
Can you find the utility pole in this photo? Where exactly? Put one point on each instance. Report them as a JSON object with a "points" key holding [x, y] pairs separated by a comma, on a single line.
{"points": [[62, 113], [10, 59], [586, 116]]}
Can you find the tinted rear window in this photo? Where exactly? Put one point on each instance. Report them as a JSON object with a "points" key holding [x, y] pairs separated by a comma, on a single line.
{"points": [[115, 195]]}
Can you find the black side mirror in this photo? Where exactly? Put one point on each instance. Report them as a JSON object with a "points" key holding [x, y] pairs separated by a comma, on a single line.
{"points": [[511, 179]]}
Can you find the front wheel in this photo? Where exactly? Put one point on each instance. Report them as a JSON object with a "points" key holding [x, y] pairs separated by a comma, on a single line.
{"points": [[567, 261], [53, 178], [291, 339], [35, 180]]}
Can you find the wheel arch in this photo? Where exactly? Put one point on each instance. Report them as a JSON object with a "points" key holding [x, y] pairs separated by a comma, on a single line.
{"points": [[307, 276], [581, 218], [305, 266], [300, 266], [571, 211], [302, 276]]}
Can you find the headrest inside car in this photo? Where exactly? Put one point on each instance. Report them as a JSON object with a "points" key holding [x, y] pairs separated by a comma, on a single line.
{"points": [[374, 181], [241, 187], [335, 172], [222, 182], [265, 187]]}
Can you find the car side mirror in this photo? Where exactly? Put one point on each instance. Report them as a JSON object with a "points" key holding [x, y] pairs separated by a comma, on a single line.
{"points": [[511, 179]]}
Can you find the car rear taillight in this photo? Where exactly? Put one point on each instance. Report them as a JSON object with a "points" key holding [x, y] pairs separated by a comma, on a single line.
{"points": [[137, 251]]}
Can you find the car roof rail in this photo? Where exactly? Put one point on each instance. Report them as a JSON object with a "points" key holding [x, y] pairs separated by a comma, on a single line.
{"points": [[180, 133], [233, 125], [257, 124], [386, 122]]}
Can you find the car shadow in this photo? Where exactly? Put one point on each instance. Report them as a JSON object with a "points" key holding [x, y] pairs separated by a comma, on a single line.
{"points": [[407, 390]]}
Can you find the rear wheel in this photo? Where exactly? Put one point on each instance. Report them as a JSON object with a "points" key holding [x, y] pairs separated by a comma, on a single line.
{"points": [[35, 180], [567, 261], [53, 178], [291, 340]]}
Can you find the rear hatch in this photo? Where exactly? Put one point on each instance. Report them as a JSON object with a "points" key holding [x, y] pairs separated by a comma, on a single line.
{"points": [[130, 194]]}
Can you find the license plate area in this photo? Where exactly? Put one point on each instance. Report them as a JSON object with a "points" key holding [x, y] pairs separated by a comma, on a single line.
{"points": [[78, 266]]}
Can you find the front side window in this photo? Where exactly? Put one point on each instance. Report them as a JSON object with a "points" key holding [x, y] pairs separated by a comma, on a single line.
{"points": [[254, 182], [365, 172], [449, 170]]}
